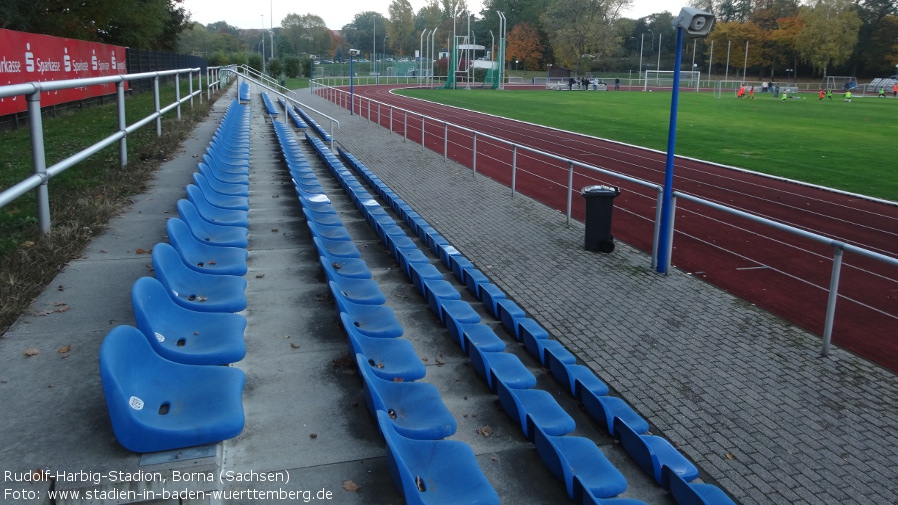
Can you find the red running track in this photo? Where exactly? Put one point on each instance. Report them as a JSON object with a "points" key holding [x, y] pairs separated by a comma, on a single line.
{"points": [[778, 271]]}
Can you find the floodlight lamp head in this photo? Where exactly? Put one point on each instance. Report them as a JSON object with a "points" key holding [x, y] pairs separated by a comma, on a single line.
{"points": [[355, 52], [697, 23]]}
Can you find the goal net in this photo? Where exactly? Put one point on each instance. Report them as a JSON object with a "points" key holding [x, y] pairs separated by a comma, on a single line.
{"points": [[728, 88], [839, 83], [665, 78]]}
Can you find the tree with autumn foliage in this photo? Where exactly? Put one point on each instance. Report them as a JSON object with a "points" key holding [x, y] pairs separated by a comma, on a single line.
{"points": [[522, 44], [829, 33]]}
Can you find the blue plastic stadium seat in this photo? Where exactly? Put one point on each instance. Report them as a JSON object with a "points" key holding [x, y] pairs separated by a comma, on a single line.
{"points": [[204, 257], [534, 407], [194, 290], [434, 471], [333, 233], [218, 215], [421, 271], [217, 199], [483, 337], [510, 315], [474, 278], [390, 358], [576, 378], [653, 453], [217, 174], [606, 409], [322, 218], [489, 295], [354, 268], [580, 464], [436, 291], [336, 248], [157, 405], [591, 499], [355, 289], [686, 493], [540, 348], [407, 257], [415, 408], [221, 187], [186, 336], [496, 366], [455, 314], [212, 234], [371, 320], [458, 264]]}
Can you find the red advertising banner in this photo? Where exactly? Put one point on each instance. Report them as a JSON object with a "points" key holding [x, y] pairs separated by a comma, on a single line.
{"points": [[29, 57]]}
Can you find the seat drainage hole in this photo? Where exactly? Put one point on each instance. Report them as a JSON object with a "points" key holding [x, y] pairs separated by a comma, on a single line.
{"points": [[392, 413], [419, 482], [164, 408], [200, 264], [191, 297], [371, 362], [357, 324], [181, 342]]}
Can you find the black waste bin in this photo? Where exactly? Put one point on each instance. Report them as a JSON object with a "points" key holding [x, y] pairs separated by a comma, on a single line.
{"points": [[599, 206]]}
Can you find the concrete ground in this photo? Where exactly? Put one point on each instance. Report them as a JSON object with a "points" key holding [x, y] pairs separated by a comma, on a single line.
{"points": [[742, 393]]}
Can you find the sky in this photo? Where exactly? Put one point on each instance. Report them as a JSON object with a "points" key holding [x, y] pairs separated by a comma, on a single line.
{"points": [[338, 13]]}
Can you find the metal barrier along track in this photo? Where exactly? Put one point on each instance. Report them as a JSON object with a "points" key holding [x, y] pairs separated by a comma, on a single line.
{"points": [[409, 122], [42, 174]]}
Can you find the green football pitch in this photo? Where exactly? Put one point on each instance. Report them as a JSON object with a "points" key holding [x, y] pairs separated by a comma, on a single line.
{"points": [[849, 146]]}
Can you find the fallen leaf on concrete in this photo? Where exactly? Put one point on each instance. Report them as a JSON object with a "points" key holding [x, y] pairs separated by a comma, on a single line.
{"points": [[485, 431], [494, 458], [140, 250], [313, 435], [351, 486], [729, 455], [294, 345], [64, 349], [31, 351]]}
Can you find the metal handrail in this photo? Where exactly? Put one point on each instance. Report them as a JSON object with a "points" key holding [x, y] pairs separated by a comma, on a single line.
{"points": [[42, 174], [839, 247], [290, 98]]}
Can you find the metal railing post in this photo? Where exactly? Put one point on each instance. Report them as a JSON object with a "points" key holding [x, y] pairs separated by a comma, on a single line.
{"points": [[514, 168], [405, 127], [158, 107], [391, 120], [570, 189], [833, 297], [656, 235], [190, 87], [474, 155], [422, 132], [445, 142], [670, 232], [122, 123], [39, 160], [178, 93]]}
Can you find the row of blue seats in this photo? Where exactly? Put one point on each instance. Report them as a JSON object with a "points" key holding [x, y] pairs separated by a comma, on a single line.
{"points": [[411, 415], [313, 124], [163, 383], [587, 473], [243, 91], [654, 454], [269, 107], [297, 122]]}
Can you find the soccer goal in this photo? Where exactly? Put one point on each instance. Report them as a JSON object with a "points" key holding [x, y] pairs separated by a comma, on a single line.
{"points": [[727, 88], [665, 78], [839, 83]]}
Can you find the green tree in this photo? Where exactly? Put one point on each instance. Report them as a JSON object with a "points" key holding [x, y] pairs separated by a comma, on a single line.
{"points": [[254, 60], [582, 31], [367, 29], [401, 29], [829, 33], [291, 66], [144, 24], [274, 68], [307, 33]]}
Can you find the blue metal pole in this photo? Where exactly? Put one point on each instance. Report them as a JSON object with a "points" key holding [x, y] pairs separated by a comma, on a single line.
{"points": [[664, 246], [351, 89]]}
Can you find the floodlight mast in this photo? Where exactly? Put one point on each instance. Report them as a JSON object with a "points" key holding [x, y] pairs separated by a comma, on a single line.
{"points": [[697, 24]]}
